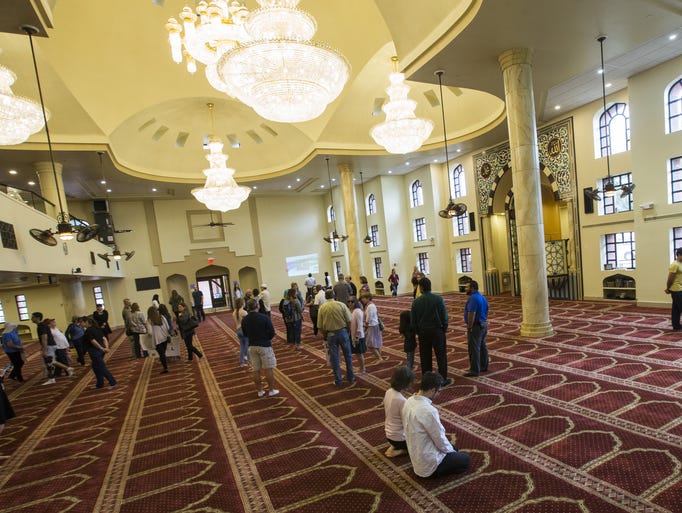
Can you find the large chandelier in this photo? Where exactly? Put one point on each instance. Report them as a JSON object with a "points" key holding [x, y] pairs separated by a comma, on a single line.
{"points": [[282, 73], [205, 34], [402, 132], [220, 192], [19, 117]]}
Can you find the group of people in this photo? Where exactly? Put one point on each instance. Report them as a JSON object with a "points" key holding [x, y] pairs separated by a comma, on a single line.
{"points": [[161, 326]]}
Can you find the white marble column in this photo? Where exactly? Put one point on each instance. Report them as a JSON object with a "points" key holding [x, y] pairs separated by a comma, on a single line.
{"points": [[518, 86], [350, 218], [48, 186], [74, 300], [487, 231]]}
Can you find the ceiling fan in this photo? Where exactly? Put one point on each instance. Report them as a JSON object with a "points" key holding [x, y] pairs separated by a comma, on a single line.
{"points": [[215, 223], [116, 255], [609, 188], [453, 210]]}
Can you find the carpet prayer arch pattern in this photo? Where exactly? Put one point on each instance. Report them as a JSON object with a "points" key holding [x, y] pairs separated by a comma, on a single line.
{"points": [[586, 420]]}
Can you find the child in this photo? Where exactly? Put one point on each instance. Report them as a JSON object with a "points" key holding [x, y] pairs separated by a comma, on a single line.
{"points": [[406, 330], [394, 400]]}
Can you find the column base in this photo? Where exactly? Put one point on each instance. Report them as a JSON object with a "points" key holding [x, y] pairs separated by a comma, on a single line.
{"points": [[536, 330]]}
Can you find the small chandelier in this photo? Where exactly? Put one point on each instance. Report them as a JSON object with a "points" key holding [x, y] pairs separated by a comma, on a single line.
{"points": [[205, 34], [282, 73], [220, 192], [402, 132], [19, 117]]}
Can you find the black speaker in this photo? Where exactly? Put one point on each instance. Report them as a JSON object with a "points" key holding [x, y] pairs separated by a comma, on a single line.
{"points": [[472, 222], [92, 258], [589, 202]]}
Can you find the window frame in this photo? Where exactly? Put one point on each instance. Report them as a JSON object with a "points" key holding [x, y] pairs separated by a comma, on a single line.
{"points": [[619, 243], [331, 215], [371, 205], [603, 129], [334, 243], [675, 181], [419, 226], [460, 225], [676, 234], [22, 307], [417, 196], [465, 262], [673, 107], [423, 263], [459, 188], [374, 235], [99, 295], [2, 313], [610, 205], [378, 271]]}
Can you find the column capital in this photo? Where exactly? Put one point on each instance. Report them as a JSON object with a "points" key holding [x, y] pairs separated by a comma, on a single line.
{"points": [[44, 167], [514, 57], [344, 167]]}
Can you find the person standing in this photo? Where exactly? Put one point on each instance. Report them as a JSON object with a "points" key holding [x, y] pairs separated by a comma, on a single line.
{"points": [[101, 317], [258, 328], [341, 290], [265, 297], [334, 320], [431, 452], [11, 344], [429, 319], [138, 326], [292, 315], [175, 301], [410, 338], [97, 345], [357, 331], [309, 284], [188, 325], [126, 314], [353, 288], [6, 411], [198, 299], [314, 306], [674, 287], [373, 337], [49, 348], [161, 334], [394, 280], [476, 320], [74, 334], [239, 314]]}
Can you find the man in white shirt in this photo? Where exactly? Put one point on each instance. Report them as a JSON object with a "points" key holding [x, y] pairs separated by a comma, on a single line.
{"points": [[314, 307], [265, 296], [431, 452], [309, 284]]}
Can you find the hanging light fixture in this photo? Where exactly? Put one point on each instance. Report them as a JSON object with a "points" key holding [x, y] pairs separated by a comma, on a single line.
{"points": [[116, 255], [335, 237], [19, 117], [452, 209], [205, 34], [220, 192], [609, 188], [367, 239], [281, 72], [401, 132], [65, 230]]}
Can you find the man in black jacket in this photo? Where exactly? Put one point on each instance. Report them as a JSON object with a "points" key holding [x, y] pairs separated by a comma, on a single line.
{"points": [[257, 327]]}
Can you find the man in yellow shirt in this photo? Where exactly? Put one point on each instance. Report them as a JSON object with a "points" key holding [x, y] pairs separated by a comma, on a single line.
{"points": [[674, 288]]}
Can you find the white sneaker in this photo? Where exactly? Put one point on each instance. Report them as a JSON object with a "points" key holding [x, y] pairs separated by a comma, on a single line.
{"points": [[261, 393], [50, 382], [69, 371], [273, 392]]}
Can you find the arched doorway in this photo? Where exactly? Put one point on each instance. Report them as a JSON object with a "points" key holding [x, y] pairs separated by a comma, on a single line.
{"points": [[214, 282], [248, 278], [179, 282]]}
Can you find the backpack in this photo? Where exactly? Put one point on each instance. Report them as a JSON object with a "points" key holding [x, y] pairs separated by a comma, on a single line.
{"points": [[288, 311]]}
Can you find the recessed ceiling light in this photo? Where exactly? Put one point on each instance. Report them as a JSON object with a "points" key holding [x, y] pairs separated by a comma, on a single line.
{"points": [[298, 179], [153, 189], [288, 186], [557, 107], [600, 71], [407, 163], [608, 84], [31, 182], [103, 182], [459, 150], [333, 179], [322, 186], [672, 37], [255, 187], [390, 172], [13, 171], [435, 160], [108, 190]]}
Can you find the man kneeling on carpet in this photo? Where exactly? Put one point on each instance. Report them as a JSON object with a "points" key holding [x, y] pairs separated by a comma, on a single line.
{"points": [[431, 453], [257, 327]]}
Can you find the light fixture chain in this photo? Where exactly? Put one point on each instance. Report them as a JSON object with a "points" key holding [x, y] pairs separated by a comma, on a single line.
{"points": [[439, 73], [601, 40], [331, 195]]}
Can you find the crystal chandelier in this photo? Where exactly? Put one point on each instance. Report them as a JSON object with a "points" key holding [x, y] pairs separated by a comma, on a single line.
{"points": [[205, 34], [402, 132], [19, 117], [220, 192], [281, 72]]}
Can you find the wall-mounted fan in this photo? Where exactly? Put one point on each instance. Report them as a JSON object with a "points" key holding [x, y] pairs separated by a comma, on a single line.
{"points": [[453, 210], [116, 255], [43, 236], [87, 233], [609, 190]]}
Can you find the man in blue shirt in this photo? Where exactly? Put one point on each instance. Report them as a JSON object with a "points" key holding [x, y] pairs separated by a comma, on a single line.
{"points": [[475, 318]]}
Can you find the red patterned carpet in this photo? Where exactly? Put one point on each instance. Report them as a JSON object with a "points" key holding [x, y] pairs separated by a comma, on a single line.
{"points": [[587, 420]]}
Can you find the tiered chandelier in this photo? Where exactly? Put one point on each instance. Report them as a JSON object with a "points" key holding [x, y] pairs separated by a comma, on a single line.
{"points": [[402, 132], [19, 117], [220, 192], [266, 59]]}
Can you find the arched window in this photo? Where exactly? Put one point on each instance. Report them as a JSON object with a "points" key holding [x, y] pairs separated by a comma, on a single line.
{"points": [[674, 107], [331, 216], [371, 205], [459, 186], [417, 194], [613, 130]]}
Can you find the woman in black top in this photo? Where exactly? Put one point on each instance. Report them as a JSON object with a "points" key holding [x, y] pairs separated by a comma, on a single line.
{"points": [[97, 346], [187, 325]]}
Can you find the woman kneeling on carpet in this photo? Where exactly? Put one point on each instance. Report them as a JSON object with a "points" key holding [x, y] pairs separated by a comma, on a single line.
{"points": [[394, 400]]}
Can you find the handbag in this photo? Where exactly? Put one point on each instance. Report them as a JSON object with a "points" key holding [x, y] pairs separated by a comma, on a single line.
{"points": [[192, 323], [381, 323]]}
